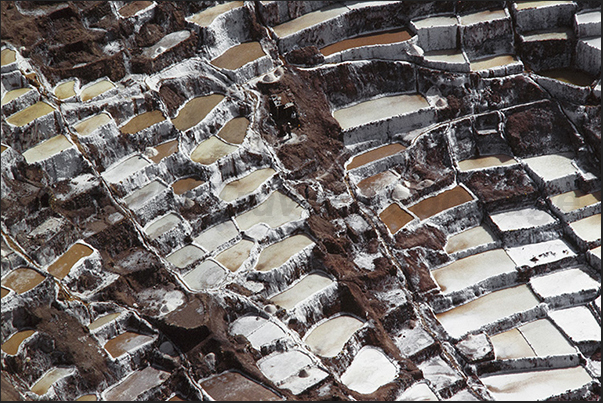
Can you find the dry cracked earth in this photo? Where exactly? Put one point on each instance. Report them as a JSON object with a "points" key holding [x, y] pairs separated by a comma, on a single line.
{"points": [[264, 200]]}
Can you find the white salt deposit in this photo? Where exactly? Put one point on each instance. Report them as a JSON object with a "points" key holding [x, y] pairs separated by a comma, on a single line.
{"points": [[185, 256], [577, 323], [369, 370], [215, 236], [118, 172], [205, 275], [570, 281], [419, 392], [552, 166], [540, 253], [162, 225]]}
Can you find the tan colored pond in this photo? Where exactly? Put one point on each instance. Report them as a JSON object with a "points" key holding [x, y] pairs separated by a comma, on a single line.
{"points": [[62, 266], [233, 257], [14, 94], [589, 228], [207, 16], [492, 62], [141, 196], [535, 385], [232, 386], [371, 185], [275, 211], [133, 7], [47, 149], [126, 342], [570, 76], [486, 162], [487, 309], [22, 280], [470, 238], [482, 16], [379, 109], [30, 114], [4, 292], [277, 254], [103, 320], [239, 55], [41, 387], [141, 122], [575, 199], [165, 150], [162, 225], [511, 345], [182, 186], [309, 285], [87, 398], [89, 125], [96, 89], [195, 110], [473, 269], [211, 150], [443, 201], [395, 218], [8, 56], [309, 19], [235, 130], [328, 338], [374, 155], [11, 346], [247, 184], [65, 90], [3, 148], [135, 384], [400, 35]]}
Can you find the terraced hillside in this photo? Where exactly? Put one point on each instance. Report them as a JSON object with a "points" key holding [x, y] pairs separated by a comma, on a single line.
{"points": [[326, 200]]}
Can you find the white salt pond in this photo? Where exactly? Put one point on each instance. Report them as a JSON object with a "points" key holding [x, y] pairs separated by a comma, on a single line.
{"points": [[29, 114], [165, 44], [87, 126], [306, 287], [96, 89], [569, 281], [278, 253], [473, 269], [521, 219], [239, 55], [538, 338], [575, 199], [232, 386], [279, 367], [577, 323], [22, 280], [247, 184], [439, 373], [139, 197], [11, 346], [328, 338], [185, 256], [211, 150], [215, 236], [103, 320], [233, 257], [258, 331], [14, 94], [369, 370], [487, 309], [446, 56], [43, 384], [492, 62], [207, 16], [588, 229], [162, 225], [308, 20], [275, 211], [486, 162], [47, 149], [418, 392], [205, 275], [195, 110], [120, 171], [540, 253], [135, 384], [523, 5], [470, 238], [482, 16], [126, 342], [552, 166], [536, 385], [379, 109], [65, 90]]}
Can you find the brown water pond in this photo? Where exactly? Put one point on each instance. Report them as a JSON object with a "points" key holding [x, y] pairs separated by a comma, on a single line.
{"points": [[182, 186], [11, 346], [486, 162], [62, 266], [395, 218], [125, 342], [141, 122], [14, 94], [443, 201], [239, 55], [96, 89], [195, 110], [7, 56], [575, 199], [133, 7], [65, 90], [374, 155], [165, 150], [277, 254], [233, 257], [570, 76], [235, 130], [22, 280], [383, 38], [89, 125], [211, 150], [232, 386]]}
